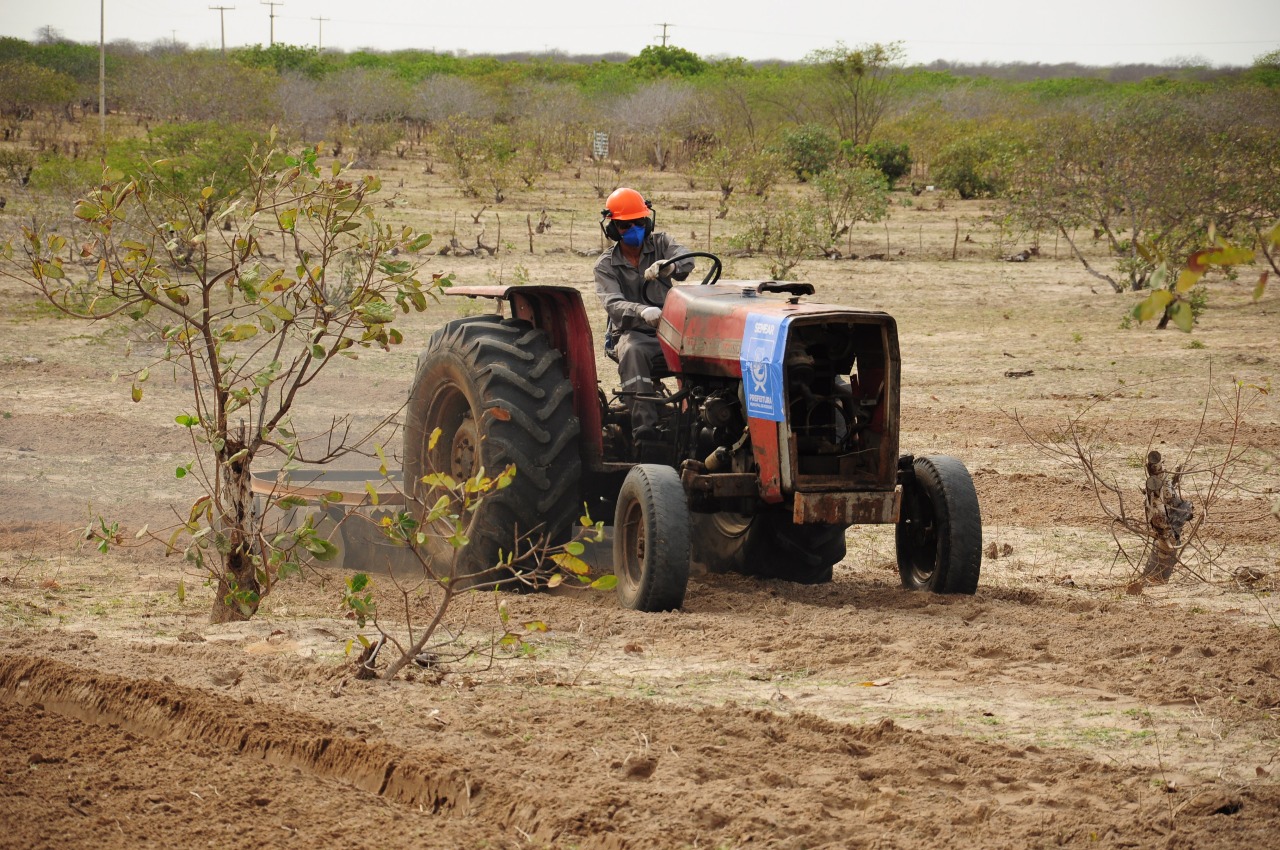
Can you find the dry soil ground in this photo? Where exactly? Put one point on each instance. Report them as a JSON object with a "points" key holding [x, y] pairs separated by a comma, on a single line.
{"points": [[1051, 708]]}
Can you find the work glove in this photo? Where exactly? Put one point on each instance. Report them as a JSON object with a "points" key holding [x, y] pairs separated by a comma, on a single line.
{"points": [[651, 273], [652, 315]]}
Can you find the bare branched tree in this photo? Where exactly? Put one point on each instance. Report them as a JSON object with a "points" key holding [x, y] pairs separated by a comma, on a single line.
{"points": [[303, 106], [439, 98], [197, 87], [1175, 519], [658, 114], [1150, 177]]}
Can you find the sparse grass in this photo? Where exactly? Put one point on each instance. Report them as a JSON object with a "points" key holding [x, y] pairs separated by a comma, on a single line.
{"points": [[16, 613], [1109, 736], [32, 308]]}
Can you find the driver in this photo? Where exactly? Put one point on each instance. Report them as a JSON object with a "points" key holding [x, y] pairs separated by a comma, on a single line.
{"points": [[632, 286]]}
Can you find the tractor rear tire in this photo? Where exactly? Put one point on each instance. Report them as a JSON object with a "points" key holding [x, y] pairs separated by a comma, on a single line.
{"points": [[768, 545], [651, 539], [939, 534], [499, 393], [719, 541]]}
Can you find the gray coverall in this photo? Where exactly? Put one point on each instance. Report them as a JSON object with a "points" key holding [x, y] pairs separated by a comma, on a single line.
{"points": [[618, 283]]}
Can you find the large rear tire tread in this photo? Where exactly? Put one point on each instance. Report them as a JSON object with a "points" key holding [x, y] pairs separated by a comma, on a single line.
{"points": [[718, 543], [521, 402], [809, 551], [651, 540], [769, 545], [939, 538]]}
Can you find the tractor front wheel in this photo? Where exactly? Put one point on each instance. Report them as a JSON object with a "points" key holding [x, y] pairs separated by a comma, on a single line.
{"points": [[939, 534], [651, 539]]}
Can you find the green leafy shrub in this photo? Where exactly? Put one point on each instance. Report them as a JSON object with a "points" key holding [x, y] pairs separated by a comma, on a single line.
{"points": [[808, 150], [846, 195], [975, 166], [183, 158], [662, 60], [761, 172], [64, 177], [26, 88], [892, 159], [785, 233], [196, 155], [286, 58]]}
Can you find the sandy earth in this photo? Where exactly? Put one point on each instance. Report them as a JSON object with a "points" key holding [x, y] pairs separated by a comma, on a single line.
{"points": [[1051, 708]]}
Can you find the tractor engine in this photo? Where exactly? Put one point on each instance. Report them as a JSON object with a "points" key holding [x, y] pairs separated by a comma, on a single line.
{"points": [[821, 403], [721, 430]]}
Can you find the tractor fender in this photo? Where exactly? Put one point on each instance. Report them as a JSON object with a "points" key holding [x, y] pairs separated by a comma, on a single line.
{"points": [[559, 311]]}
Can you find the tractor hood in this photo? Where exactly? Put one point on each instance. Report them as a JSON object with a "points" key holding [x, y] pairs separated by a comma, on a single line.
{"points": [[711, 329]]}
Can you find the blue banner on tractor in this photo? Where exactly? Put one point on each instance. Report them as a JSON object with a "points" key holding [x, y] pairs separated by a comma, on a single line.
{"points": [[764, 346]]}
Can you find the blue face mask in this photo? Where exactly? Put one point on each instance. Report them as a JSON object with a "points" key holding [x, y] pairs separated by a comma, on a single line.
{"points": [[633, 236]]}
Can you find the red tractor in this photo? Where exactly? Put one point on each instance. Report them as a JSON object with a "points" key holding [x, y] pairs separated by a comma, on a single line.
{"points": [[781, 431]]}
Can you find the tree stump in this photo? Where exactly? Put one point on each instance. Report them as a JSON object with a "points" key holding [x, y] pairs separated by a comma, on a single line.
{"points": [[1167, 512]]}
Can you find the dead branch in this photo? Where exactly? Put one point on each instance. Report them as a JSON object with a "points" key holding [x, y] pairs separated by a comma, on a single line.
{"points": [[456, 248], [1085, 262]]}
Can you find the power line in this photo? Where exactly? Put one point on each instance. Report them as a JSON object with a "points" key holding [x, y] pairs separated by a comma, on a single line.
{"points": [[664, 32]]}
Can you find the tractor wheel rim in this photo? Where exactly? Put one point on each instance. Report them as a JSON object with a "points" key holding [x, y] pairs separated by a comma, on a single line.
{"points": [[463, 449], [634, 541], [927, 561], [457, 451]]}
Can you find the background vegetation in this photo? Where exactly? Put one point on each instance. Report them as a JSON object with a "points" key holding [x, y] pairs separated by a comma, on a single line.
{"points": [[1133, 165]]}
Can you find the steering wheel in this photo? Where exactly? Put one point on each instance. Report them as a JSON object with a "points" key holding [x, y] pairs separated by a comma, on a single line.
{"points": [[713, 274], [711, 277]]}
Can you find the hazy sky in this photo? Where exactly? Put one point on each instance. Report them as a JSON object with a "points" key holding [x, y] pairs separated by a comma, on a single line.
{"points": [[1094, 32]]}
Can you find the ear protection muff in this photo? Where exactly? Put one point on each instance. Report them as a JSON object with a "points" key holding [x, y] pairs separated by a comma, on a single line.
{"points": [[610, 227]]}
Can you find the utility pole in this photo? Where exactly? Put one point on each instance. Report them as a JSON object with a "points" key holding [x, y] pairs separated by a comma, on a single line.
{"points": [[664, 32], [222, 19], [102, 70], [320, 35], [272, 4]]}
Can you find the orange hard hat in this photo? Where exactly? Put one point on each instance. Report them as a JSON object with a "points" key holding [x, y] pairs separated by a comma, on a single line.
{"points": [[626, 204]]}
